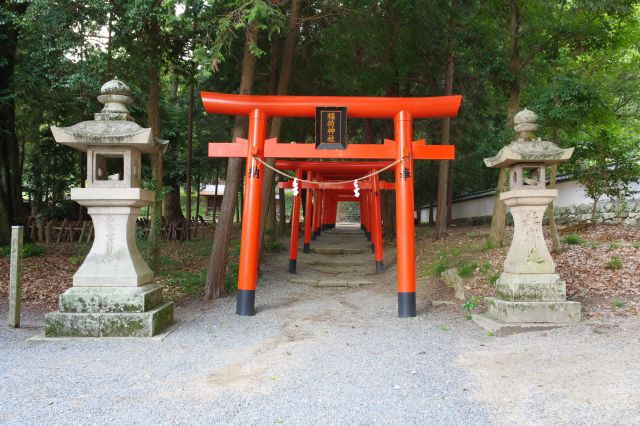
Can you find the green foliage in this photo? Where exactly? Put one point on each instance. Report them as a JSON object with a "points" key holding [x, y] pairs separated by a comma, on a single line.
{"points": [[485, 267], [493, 279], [189, 282], [613, 246], [579, 70], [240, 15], [231, 271], [469, 306], [28, 250], [614, 263], [231, 277], [618, 304], [489, 244], [273, 246], [573, 239], [466, 269], [592, 244], [606, 162], [440, 265]]}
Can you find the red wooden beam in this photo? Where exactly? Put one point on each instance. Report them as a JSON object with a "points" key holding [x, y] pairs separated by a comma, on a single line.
{"points": [[305, 106], [386, 151], [341, 167], [432, 152]]}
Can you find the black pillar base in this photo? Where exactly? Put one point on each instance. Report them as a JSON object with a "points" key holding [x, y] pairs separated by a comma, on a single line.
{"points": [[362, 226], [313, 236], [246, 303], [368, 235], [379, 264], [306, 248], [373, 248], [292, 266], [406, 305], [319, 231]]}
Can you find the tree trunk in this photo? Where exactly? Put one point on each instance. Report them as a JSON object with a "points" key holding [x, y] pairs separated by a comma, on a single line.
{"points": [[276, 122], [11, 205], [195, 227], [215, 195], [153, 114], [214, 285], [496, 235], [515, 61], [188, 188], [594, 210], [282, 229], [443, 172], [271, 217], [553, 229], [450, 194], [175, 81], [388, 212], [171, 207], [108, 76]]}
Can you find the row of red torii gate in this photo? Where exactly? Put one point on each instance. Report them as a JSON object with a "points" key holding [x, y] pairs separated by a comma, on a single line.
{"points": [[332, 179]]}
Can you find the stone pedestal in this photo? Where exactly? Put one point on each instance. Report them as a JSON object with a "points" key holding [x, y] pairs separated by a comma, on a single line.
{"points": [[114, 259], [529, 293], [109, 296], [110, 311]]}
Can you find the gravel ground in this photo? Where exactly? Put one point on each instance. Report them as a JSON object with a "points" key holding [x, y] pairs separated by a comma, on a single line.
{"points": [[324, 356]]}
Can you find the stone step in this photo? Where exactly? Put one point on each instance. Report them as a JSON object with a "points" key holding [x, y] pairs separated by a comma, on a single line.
{"points": [[339, 250], [333, 263], [532, 312], [110, 299], [109, 324], [332, 270], [331, 283]]}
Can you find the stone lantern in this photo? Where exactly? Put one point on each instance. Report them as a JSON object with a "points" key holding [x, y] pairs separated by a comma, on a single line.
{"points": [[111, 294], [529, 293]]}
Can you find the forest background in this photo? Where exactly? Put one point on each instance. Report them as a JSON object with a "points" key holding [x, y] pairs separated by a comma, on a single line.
{"points": [[574, 62]]}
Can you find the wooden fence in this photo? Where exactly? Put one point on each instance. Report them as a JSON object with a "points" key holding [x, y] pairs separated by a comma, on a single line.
{"points": [[58, 231]]}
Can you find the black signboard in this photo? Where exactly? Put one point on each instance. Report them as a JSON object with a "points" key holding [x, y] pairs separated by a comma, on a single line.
{"points": [[331, 127]]}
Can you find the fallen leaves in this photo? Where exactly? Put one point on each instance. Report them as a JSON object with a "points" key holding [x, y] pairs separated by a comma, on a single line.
{"points": [[586, 268]]}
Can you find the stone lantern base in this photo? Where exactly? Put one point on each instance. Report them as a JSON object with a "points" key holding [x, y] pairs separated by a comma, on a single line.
{"points": [[527, 302], [110, 311], [111, 293]]}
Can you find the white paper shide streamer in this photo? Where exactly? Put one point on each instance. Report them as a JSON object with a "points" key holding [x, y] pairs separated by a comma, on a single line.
{"points": [[356, 188], [295, 187]]}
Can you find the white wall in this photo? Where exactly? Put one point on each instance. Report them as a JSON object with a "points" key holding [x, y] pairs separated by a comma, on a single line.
{"points": [[570, 193]]}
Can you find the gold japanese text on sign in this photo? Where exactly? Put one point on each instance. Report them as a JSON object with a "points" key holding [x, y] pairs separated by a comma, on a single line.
{"points": [[331, 127]]}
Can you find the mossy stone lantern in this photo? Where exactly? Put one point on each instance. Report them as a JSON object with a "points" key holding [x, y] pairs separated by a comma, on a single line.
{"points": [[529, 293], [111, 294]]}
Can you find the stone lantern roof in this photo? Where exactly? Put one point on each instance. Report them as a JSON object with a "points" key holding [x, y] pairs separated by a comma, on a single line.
{"points": [[526, 148], [112, 126]]}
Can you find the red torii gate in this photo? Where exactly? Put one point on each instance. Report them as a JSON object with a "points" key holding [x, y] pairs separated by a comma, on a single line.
{"points": [[402, 149], [324, 210]]}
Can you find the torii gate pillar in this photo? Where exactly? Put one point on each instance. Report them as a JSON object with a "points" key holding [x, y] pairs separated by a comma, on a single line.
{"points": [[404, 217], [248, 267]]}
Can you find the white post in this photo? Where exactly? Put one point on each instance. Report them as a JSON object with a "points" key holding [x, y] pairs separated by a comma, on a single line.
{"points": [[15, 277]]}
